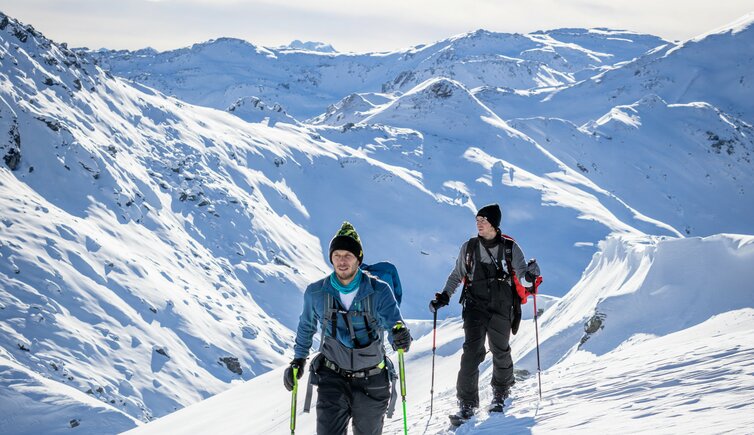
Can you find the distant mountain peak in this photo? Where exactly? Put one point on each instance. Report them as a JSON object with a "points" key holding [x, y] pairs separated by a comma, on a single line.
{"points": [[738, 26], [319, 47], [583, 31], [232, 45], [482, 35], [478, 33], [629, 115], [225, 41], [448, 101], [254, 109], [21, 31], [349, 109], [439, 88]]}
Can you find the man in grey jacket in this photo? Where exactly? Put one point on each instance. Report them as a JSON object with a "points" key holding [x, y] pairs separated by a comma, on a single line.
{"points": [[495, 277]]}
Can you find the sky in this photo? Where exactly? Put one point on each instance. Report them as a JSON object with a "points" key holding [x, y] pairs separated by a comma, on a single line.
{"points": [[350, 25]]}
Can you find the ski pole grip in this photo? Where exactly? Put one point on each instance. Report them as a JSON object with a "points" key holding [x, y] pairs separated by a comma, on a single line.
{"points": [[293, 400], [402, 373]]}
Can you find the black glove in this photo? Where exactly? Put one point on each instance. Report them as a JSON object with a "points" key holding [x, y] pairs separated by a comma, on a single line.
{"points": [[532, 272], [288, 375], [401, 337], [441, 299]]}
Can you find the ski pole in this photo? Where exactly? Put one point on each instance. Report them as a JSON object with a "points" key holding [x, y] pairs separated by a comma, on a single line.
{"points": [[402, 370], [434, 348], [536, 332], [293, 400], [402, 374]]}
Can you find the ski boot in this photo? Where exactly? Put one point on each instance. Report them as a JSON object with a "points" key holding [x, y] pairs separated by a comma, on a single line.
{"points": [[463, 415], [498, 399]]}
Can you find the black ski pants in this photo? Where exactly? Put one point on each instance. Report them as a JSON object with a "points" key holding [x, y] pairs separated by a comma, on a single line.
{"points": [[478, 324], [340, 398]]}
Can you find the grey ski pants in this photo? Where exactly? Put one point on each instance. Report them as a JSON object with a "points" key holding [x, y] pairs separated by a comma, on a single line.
{"points": [[478, 325], [340, 399]]}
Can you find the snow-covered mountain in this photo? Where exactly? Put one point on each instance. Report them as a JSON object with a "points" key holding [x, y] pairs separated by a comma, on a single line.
{"points": [[129, 253], [715, 68], [154, 248], [675, 100], [641, 342], [217, 73]]}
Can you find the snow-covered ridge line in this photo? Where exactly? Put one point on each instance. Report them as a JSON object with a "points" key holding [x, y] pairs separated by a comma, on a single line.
{"points": [[307, 82]]}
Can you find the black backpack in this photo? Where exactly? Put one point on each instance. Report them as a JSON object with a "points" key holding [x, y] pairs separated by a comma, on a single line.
{"points": [[471, 254]]}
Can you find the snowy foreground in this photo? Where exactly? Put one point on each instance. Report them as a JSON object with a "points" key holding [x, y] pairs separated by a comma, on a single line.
{"points": [[674, 355]]}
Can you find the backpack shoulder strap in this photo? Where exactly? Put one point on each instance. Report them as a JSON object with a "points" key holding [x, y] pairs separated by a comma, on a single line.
{"points": [[363, 308], [502, 255], [471, 254], [368, 310], [508, 253], [517, 286], [329, 314]]}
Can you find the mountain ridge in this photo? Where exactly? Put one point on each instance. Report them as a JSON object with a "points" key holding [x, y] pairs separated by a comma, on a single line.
{"points": [[304, 90]]}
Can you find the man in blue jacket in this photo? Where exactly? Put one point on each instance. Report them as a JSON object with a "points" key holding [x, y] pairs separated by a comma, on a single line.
{"points": [[352, 309]]}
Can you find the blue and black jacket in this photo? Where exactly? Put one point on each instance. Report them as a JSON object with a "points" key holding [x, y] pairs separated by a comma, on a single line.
{"points": [[384, 311]]}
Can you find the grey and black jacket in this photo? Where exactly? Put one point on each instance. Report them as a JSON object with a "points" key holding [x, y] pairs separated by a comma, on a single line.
{"points": [[518, 261]]}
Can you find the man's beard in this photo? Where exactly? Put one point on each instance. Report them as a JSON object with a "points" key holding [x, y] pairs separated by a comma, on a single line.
{"points": [[345, 276]]}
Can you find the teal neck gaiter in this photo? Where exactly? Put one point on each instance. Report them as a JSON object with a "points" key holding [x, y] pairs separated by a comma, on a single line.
{"points": [[345, 289]]}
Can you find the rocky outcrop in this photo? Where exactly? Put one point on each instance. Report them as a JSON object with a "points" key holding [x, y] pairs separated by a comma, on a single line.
{"points": [[231, 363], [11, 147], [594, 324]]}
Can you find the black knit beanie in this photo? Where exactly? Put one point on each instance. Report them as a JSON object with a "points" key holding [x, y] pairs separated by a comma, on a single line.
{"points": [[347, 239], [492, 213]]}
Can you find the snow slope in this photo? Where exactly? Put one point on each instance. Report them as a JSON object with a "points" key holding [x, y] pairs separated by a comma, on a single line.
{"points": [[116, 233], [663, 157], [37, 405], [673, 352]]}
